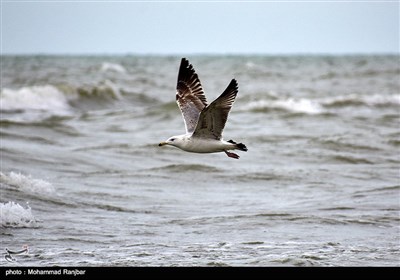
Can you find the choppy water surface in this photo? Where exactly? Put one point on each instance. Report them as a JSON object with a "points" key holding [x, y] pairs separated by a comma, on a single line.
{"points": [[83, 181]]}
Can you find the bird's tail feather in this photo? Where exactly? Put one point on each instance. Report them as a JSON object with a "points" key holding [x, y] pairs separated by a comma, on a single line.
{"points": [[239, 146]]}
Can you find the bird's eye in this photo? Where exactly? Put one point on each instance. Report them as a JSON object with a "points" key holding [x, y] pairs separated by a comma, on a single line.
{"points": [[173, 139]]}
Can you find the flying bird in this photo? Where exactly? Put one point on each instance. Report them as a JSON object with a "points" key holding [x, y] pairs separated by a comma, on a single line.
{"points": [[204, 123]]}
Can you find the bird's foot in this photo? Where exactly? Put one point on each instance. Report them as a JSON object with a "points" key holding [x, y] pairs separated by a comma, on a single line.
{"points": [[231, 155]]}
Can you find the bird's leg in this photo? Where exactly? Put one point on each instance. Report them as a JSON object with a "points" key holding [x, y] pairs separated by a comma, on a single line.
{"points": [[232, 155]]}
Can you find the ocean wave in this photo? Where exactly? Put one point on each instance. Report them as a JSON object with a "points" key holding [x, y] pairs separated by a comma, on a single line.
{"points": [[359, 100], [326, 105], [351, 159], [357, 74], [263, 218], [186, 168], [265, 176], [343, 145], [106, 90], [13, 215], [27, 183], [41, 98], [302, 105], [41, 102], [112, 67]]}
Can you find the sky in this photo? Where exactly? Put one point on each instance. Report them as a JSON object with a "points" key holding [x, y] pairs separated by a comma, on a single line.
{"points": [[200, 27]]}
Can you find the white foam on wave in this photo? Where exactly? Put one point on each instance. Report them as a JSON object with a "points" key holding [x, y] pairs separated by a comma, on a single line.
{"points": [[112, 67], [369, 100], [383, 99], [14, 215], [42, 98], [27, 183], [302, 105], [322, 105]]}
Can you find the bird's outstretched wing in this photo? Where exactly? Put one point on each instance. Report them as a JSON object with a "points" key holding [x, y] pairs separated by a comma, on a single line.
{"points": [[189, 95], [212, 119]]}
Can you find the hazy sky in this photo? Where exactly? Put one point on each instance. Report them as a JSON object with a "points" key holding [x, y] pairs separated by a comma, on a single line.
{"points": [[121, 27]]}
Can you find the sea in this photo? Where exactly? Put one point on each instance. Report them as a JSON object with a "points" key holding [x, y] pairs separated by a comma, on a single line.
{"points": [[83, 181]]}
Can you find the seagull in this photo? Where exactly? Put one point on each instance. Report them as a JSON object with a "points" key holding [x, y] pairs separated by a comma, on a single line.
{"points": [[204, 123]]}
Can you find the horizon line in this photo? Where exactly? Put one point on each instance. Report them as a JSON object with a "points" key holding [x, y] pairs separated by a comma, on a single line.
{"points": [[350, 53]]}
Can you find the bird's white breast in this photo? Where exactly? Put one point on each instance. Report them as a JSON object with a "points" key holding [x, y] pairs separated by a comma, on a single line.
{"points": [[204, 145]]}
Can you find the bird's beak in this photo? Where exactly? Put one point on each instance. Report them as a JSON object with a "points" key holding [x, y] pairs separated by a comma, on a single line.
{"points": [[162, 144]]}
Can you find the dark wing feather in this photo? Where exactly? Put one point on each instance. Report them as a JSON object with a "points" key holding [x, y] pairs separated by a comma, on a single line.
{"points": [[189, 95], [213, 118]]}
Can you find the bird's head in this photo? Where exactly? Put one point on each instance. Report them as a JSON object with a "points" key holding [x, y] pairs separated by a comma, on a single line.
{"points": [[173, 141]]}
